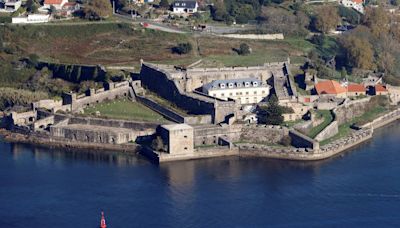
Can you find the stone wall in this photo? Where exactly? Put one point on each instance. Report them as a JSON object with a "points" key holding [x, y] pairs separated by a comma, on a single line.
{"points": [[300, 140], [135, 125], [112, 91], [159, 81], [263, 133], [174, 116], [331, 130], [351, 109], [278, 36], [209, 134]]}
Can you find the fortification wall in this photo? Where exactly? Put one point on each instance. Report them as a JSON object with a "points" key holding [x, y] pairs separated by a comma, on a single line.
{"points": [[113, 123], [263, 133], [197, 77], [112, 91], [209, 135], [300, 140], [350, 110], [158, 81], [331, 130]]}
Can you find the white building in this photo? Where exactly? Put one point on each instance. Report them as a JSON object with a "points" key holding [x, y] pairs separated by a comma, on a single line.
{"points": [[32, 18], [355, 4], [247, 90], [58, 4], [182, 7], [10, 5]]}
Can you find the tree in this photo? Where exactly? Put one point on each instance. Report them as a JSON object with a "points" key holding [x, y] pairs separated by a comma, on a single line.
{"points": [[31, 6], [164, 4], [377, 20], [244, 49], [218, 11], [327, 18], [359, 52], [182, 48], [97, 9], [272, 113]]}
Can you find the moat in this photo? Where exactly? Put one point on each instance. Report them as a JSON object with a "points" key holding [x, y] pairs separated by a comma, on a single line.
{"points": [[55, 188]]}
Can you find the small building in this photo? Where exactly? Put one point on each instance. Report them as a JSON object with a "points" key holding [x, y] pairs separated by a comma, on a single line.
{"points": [[355, 90], [379, 89], [330, 88], [246, 91], [58, 4], [183, 7], [394, 93], [178, 138], [371, 80], [355, 4], [299, 110], [31, 19], [10, 5]]}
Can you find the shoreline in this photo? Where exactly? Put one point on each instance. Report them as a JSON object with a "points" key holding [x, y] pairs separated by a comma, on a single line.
{"points": [[293, 154]]}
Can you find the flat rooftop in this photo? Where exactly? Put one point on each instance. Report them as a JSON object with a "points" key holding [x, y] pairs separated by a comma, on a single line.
{"points": [[175, 127]]}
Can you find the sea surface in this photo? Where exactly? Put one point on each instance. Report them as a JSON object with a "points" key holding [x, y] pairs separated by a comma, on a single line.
{"points": [[56, 188]]}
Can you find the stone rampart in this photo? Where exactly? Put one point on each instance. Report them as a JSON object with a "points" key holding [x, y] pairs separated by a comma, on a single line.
{"points": [[263, 134], [351, 109], [331, 130], [209, 134], [112, 91], [159, 81], [300, 140]]}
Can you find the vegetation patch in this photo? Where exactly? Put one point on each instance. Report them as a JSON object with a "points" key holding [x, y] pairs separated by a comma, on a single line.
{"points": [[125, 109]]}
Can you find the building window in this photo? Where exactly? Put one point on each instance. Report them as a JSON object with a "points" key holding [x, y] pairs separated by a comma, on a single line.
{"points": [[239, 84], [230, 94], [263, 92], [222, 94], [247, 93], [185, 136], [214, 95], [222, 85], [230, 85], [255, 92], [185, 148], [247, 84], [255, 84], [237, 93]]}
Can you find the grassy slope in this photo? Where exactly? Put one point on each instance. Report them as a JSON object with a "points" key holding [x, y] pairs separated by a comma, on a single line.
{"points": [[125, 109], [114, 43]]}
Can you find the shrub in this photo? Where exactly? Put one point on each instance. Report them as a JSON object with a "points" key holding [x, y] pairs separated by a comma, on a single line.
{"points": [[182, 48], [244, 49]]}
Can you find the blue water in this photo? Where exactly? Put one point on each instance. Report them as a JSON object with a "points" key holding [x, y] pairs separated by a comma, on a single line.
{"points": [[54, 188]]}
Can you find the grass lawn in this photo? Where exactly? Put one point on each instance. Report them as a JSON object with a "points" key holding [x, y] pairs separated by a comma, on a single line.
{"points": [[125, 109], [328, 118]]}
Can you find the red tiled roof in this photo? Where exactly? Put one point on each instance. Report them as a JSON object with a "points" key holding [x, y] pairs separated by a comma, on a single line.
{"points": [[357, 1], [356, 88], [380, 88], [53, 2], [329, 87]]}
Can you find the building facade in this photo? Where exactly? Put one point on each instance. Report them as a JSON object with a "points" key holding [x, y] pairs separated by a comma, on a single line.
{"points": [[246, 91], [182, 7]]}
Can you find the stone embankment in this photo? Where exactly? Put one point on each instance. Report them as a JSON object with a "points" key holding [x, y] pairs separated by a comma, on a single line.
{"points": [[45, 140]]}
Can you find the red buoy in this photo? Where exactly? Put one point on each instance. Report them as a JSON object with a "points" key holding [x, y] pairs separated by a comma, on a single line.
{"points": [[103, 221]]}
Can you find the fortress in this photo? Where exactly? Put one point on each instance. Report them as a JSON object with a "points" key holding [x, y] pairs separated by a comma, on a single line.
{"points": [[200, 125]]}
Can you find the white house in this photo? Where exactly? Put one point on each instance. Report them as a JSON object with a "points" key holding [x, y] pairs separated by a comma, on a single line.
{"points": [[58, 4], [10, 5], [32, 18], [247, 90], [182, 7], [355, 4]]}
